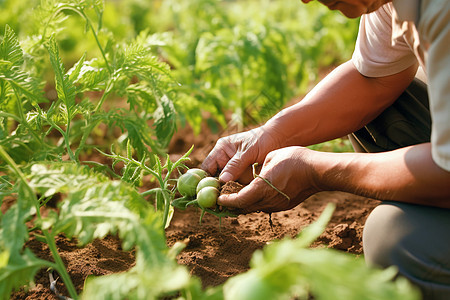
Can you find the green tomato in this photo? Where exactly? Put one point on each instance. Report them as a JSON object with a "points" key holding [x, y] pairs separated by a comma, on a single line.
{"points": [[207, 197], [199, 172], [187, 184], [208, 181]]}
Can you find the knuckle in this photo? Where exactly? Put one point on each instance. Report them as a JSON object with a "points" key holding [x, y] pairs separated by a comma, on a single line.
{"points": [[221, 142]]}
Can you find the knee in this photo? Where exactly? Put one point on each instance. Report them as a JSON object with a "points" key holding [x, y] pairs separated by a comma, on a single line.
{"points": [[414, 239], [381, 236]]}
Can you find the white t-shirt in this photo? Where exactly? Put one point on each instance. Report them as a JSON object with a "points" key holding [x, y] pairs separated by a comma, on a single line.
{"points": [[407, 32]]}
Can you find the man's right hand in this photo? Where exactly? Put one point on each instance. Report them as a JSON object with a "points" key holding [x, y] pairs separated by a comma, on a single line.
{"points": [[235, 154]]}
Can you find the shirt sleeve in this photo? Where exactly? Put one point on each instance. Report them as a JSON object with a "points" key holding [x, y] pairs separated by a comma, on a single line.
{"points": [[434, 28], [375, 54]]}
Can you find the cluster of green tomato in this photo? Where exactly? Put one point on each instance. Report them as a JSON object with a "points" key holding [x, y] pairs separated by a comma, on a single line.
{"points": [[196, 182]]}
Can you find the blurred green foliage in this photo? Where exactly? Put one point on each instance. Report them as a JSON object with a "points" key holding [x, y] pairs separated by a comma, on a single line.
{"points": [[247, 58]]}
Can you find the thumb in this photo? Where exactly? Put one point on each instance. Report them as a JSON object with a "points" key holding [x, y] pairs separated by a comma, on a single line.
{"points": [[233, 169], [245, 198]]}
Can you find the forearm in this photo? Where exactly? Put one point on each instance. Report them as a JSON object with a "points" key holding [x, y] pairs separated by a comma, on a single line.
{"points": [[341, 103], [407, 175]]}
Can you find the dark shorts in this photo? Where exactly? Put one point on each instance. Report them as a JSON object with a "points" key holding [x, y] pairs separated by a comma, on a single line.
{"points": [[414, 238], [407, 122]]}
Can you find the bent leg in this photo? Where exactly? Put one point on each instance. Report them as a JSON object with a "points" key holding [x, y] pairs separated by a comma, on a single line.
{"points": [[414, 238]]}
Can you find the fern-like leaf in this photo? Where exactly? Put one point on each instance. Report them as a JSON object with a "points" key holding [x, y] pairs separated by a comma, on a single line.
{"points": [[13, 231], [137, 57], [91, 76], [48, 178], [165, 121], [106, 208], [21, 82], [64, 86], [17, 270], [75, 71], [10, 49], [154, 276], [144, 283], [139, 133], [17, 267], [94, 207]]}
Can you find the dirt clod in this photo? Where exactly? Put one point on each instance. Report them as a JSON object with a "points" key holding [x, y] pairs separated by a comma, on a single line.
{"points": [[231, 187]]}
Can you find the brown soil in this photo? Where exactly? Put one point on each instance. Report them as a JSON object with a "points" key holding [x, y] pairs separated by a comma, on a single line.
{"points": [[214, 252]]}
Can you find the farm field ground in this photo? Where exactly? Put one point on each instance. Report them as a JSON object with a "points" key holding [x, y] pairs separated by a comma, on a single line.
{"points": [[103, 105], [213, 253]]}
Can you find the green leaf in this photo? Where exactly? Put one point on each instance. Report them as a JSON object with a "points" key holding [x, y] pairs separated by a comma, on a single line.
{"points": [[17, 266], [180, 162], [165, 121], [154, 276], [102, 209], [48, 178], [10, 49], [91, 76], [94, 207], [13, 231], [21, 81], [75, 71], [140, 96], [64, 86], [137, 60], [139, 133], [141, 283], [6, 188], [19, 270]]}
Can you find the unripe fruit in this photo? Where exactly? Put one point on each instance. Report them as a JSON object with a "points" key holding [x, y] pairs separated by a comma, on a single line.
{"points": [[199, 172], [208, 181], [207, 197], [187, 184]]}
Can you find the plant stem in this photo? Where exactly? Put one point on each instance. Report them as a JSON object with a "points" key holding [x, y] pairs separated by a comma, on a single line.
{"points": [[108, 89], [268, 182], [97, 40], [15, 168], [166, 207], [60, 267], [23, 120], [66, 141], [86, 132], [88, 22]]}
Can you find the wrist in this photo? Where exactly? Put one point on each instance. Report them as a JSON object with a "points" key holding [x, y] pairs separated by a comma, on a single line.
{"points": [[329, 171], [271, 132]]}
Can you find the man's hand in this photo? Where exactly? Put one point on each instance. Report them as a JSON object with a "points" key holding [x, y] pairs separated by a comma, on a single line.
{"points": [[288, 170], [235, 154]]}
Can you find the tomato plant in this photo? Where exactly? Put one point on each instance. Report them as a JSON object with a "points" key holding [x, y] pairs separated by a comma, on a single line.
{"points": [[110, 87]]}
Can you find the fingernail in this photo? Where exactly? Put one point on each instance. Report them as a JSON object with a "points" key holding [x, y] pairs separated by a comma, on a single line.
{"points": [[219, 200], [225, 177]]}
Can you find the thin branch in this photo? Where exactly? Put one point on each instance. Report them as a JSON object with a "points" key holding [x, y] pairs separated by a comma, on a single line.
{"points": [[268, 182]]}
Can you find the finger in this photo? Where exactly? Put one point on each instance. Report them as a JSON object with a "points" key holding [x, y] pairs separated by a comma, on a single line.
{"points": [[245, 198], [219, 156], [215, 161], [247, 176], [235, 167]]}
